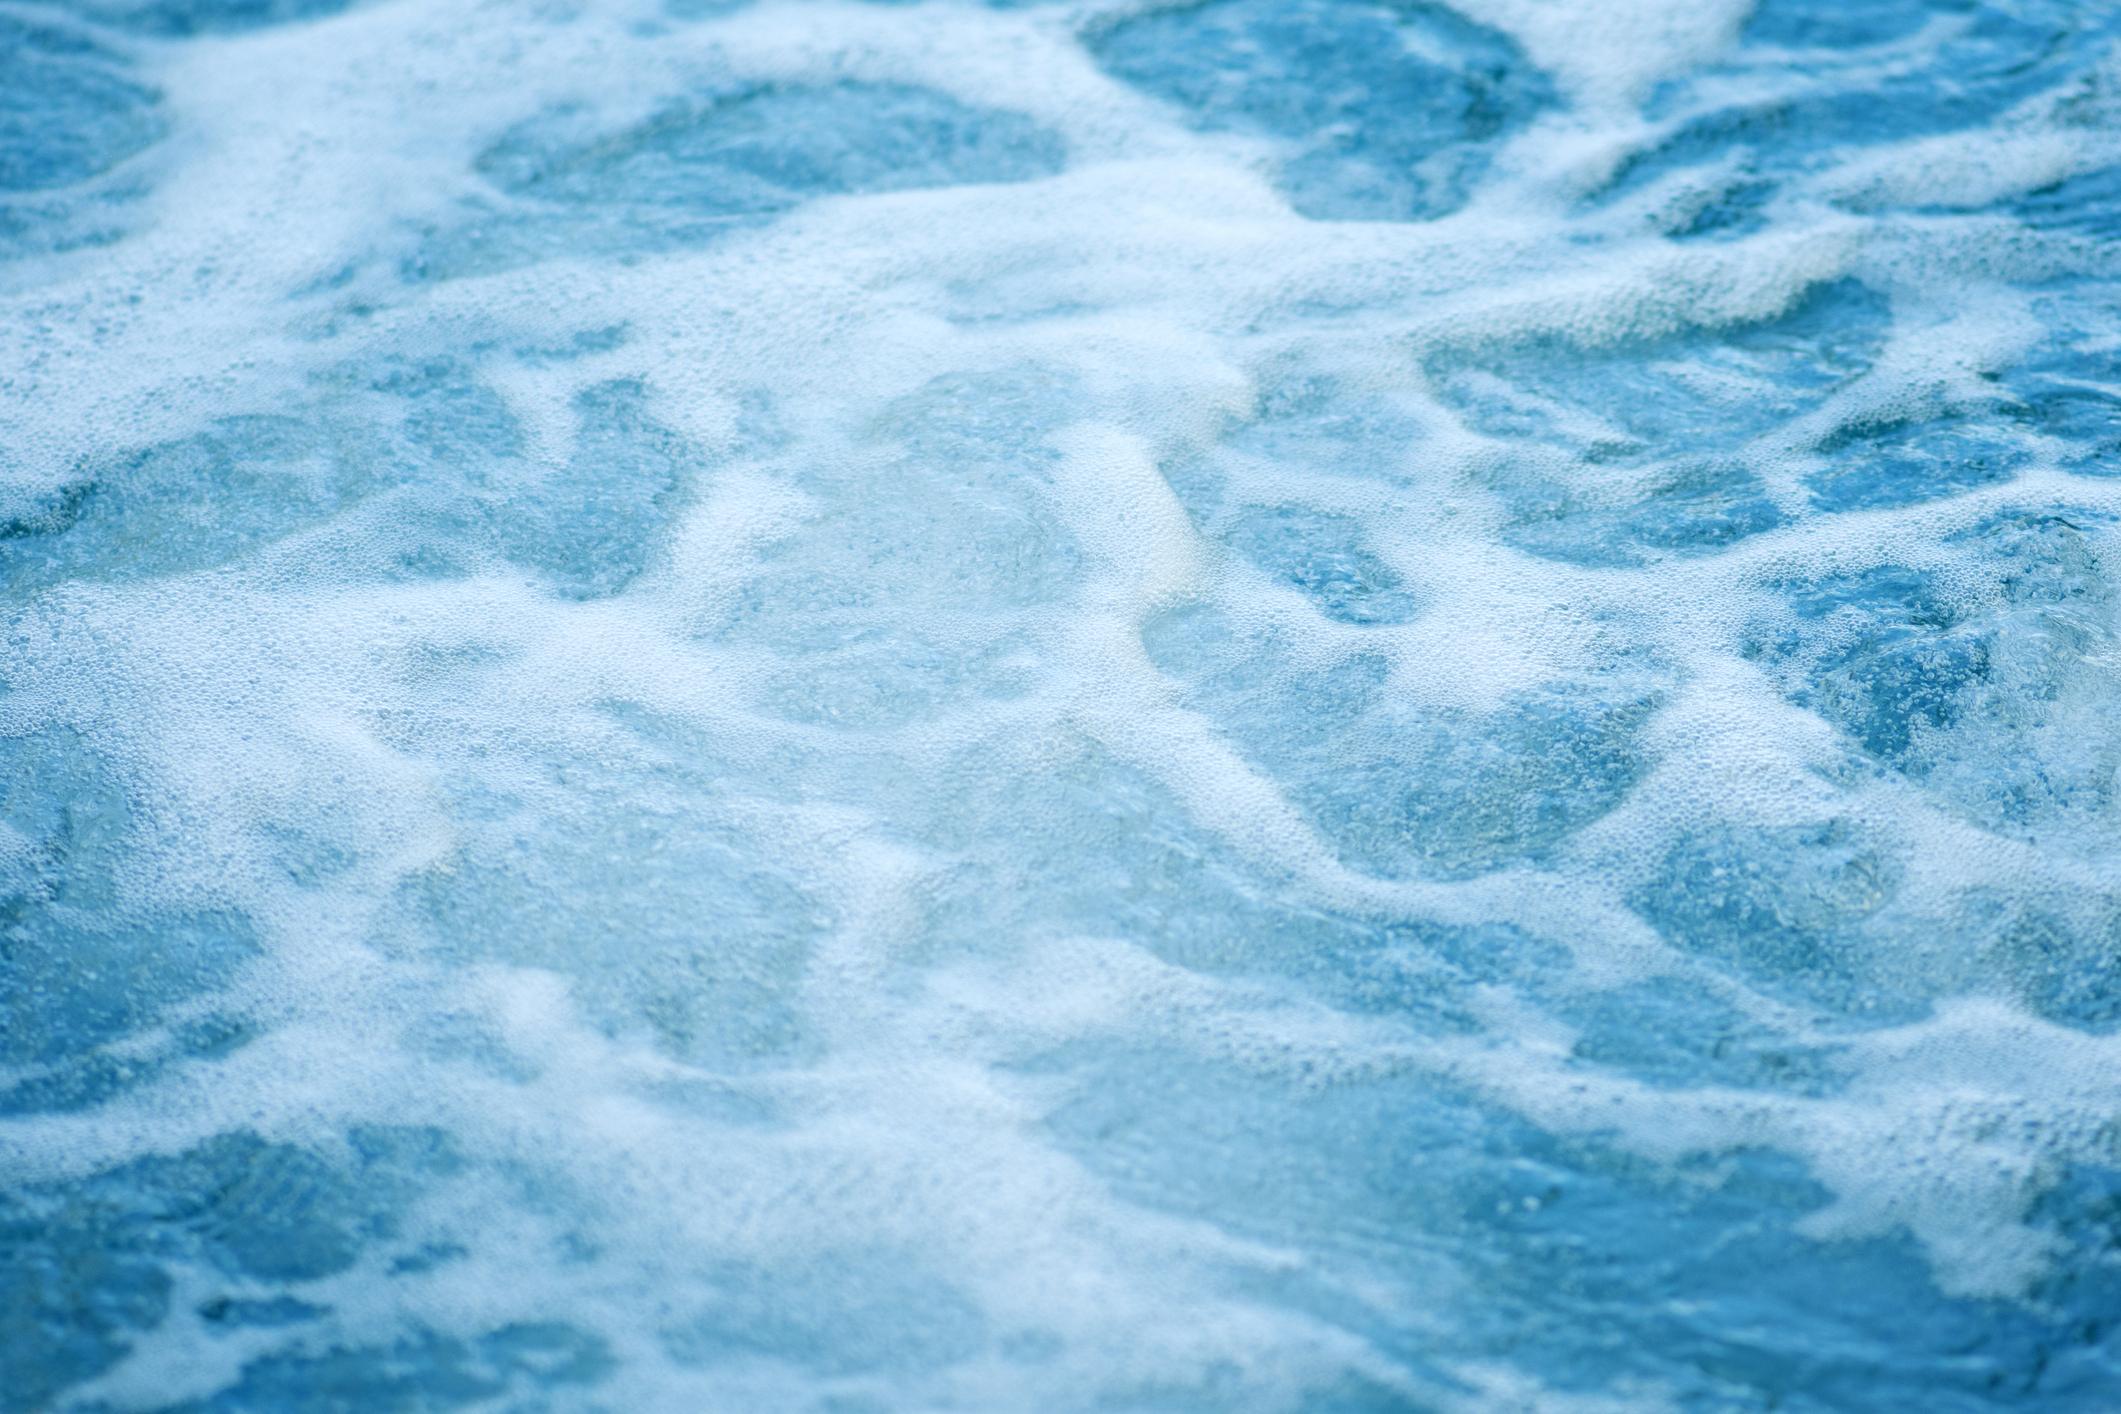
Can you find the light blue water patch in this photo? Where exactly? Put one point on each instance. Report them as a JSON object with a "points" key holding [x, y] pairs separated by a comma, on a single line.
{"points": [[889, 607], [842, 1314], [725, 706], [1399, 790], [1307, 424], [1124, 861], [591, 526], [718, 995], [1717, 388]]}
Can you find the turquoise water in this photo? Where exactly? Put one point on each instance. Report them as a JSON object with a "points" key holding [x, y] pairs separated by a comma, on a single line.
{"points": [[1271, 705]]}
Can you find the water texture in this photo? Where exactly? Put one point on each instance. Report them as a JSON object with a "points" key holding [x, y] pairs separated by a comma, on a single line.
{"points": [[1272, 705]]}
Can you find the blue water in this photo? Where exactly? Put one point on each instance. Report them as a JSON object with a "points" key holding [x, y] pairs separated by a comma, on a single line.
{"points": [[1270, 705]]}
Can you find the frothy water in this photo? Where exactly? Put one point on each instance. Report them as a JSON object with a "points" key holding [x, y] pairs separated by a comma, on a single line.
{"points": [[1269, 704]]}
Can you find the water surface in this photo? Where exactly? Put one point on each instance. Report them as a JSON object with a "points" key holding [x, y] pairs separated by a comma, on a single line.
{"points": [[1273, 705]]}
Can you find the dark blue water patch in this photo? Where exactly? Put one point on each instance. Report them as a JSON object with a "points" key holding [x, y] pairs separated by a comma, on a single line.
{"points": [[1900, 461], [183, 19], [1811, 24], [1870, 75], [68, 112], [2046, 557], [1730, 209], [528, 1365], [1793, 912], [2057, 963], [1963, 689], [1686, 510], [1387, 112], [1676, 1034], [422, 462], [88, 1264], [1706, 389], [69, 1304], [1603, 486], [427, 1257], [2069, 387], [2088, 204], [591, 525], [1609, 1269], [84, 1078], [274, 1212], [1326, 557], [2082, 1208], [193, 503], [86, 981], [736, 157], [445, 410], [72, 119], [1412, 971], [234, 1313], [1903, 660], [1401, 791], [580, 344], [2086, 416], [766, 149]]}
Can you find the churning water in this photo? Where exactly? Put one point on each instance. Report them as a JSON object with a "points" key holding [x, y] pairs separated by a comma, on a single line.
{"points": [[1260, 705]]}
